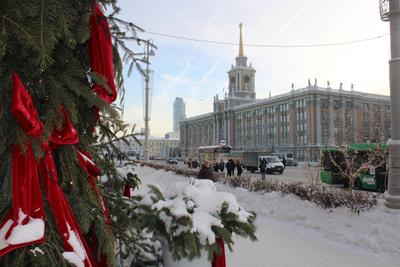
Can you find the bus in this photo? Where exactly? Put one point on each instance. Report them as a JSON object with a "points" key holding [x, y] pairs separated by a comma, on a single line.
{"points": [[366, 161]]}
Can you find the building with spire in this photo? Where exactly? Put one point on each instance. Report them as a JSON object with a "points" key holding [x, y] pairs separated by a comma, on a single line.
{"points": [[300, 121]]}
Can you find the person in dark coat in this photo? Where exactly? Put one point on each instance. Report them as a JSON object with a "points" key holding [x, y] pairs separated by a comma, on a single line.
{"points": [[284, 163], [216, 166], [189, 163], [230, 167], [206, 171], [263, 168], [195, 164], [239, 168], [221, 166]]}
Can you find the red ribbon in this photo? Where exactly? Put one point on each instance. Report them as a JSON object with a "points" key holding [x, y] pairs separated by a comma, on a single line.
{"points": [[27, 214], [101, 53], [27, 206], [92, 171], [219, 260], [74, 243], [127, 191]]}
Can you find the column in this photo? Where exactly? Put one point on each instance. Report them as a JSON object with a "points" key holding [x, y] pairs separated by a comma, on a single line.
{"points": [[318, 120], [330, 122], [343, 123], [392, 195]]}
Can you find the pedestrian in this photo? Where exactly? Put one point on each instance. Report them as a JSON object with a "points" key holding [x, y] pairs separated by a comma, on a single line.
{"points": [[230, 168], [195, 164], [263, 168], [239, 168], [206, 171], [216, 166], [284, 162], [189, 163], [221, 166]]}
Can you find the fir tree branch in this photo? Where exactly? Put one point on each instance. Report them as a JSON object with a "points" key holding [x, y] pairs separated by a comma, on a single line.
{"points": [[4, 17]]}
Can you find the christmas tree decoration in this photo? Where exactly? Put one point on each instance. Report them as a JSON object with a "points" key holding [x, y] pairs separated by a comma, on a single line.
{"points": [[101, 60], [76, 249], [59, 72]]}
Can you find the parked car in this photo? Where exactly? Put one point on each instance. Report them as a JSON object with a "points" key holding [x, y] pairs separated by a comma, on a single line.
{"points": [[172, 161], [131, 154], [290, 161]]}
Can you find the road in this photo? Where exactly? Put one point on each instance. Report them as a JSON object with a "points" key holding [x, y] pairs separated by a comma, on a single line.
{"points": [[290, 174]]}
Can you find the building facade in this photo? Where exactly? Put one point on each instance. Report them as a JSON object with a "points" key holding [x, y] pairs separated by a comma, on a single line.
{"points": [[300, 121], [179, 113], [161, 147]]}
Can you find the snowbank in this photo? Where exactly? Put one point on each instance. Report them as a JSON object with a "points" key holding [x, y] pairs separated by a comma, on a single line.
{"points": [[293, 232]]}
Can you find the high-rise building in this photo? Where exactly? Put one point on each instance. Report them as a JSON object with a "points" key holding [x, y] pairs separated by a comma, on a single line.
{"points": [[179, 113]]}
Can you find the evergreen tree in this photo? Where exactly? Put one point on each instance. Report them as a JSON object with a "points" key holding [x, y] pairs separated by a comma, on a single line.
{"points": [[47, 44]]}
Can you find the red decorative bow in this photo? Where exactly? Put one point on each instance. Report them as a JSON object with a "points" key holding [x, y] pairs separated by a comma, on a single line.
{"points": [[101, 54], [30, 207]]}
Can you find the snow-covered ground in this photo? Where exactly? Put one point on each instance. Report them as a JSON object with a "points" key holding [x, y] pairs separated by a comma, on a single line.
{"points": [[293, 232]]}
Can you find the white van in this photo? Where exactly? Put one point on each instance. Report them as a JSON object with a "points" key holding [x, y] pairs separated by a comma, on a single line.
{"points": [[273, 164]]}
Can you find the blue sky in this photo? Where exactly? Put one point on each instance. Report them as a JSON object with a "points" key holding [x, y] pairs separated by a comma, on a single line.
{"points": [[197, 71]]}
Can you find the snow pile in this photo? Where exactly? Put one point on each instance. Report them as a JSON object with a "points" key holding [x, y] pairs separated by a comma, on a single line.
{"points": [[294, 232], [191, 215], [27, 230], [200, 203], [78, 255]]}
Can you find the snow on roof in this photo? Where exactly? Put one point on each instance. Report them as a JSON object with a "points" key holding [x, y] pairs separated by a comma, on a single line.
{"points": [[157, 138]]}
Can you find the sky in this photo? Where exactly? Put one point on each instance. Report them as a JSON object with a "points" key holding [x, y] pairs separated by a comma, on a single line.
{"points": [[197, 71]]}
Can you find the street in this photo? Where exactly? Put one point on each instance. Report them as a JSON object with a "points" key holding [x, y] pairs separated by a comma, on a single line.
{"points": [[290, 174]]}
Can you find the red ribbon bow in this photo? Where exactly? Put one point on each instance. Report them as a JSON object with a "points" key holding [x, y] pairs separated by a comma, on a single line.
{"points": [[28, 213], [101, 57]]}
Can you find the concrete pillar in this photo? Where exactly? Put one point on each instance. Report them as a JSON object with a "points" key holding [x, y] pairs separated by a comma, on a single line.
{"points": [[330, 122], [237, 82], [343, 123], [355, 120], [318, 120], [228, 129], [392, 195], [216, 129]]}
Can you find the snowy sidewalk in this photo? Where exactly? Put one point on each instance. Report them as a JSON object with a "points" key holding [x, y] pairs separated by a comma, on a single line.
{"points": [[292, 232]]}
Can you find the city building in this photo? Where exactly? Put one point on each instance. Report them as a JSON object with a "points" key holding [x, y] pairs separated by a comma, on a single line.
{"points": [[179, 113], [300, 121], [161, 147]]}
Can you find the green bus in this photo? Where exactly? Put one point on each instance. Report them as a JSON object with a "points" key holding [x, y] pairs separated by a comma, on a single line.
{"points": [[365, 162]]}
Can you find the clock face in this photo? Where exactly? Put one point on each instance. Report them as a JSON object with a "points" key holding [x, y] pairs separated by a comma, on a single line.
{"points": [[246, 79]]}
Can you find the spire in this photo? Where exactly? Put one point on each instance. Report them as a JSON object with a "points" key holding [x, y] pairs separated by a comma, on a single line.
{"points": [[241, 54]]}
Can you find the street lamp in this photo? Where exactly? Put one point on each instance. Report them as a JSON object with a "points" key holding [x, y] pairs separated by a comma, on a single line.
{"points": [[390, 11], [149, 46]]}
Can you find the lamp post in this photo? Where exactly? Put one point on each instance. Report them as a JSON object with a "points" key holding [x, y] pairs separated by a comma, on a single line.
{"points": [[390, 11], [148, 52]]}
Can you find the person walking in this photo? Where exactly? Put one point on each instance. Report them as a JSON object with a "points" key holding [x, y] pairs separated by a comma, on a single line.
{"points": [[221, 166], [206, 171], [263, 168], [239, 168], [195, 164], [230, 167], [284, 162], [189, 163], [216, 166]]}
